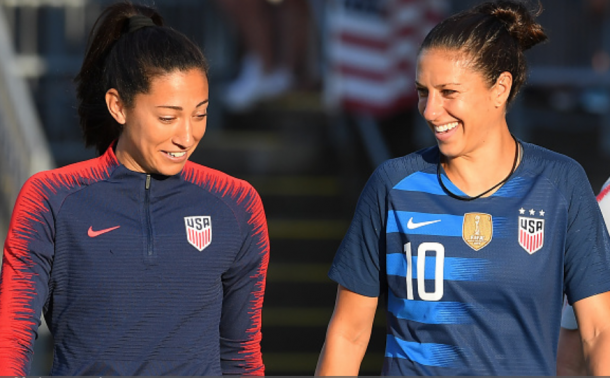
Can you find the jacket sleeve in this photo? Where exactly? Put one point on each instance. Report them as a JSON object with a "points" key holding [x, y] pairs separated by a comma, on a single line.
{"points": [[244, 288], [24, 279]]}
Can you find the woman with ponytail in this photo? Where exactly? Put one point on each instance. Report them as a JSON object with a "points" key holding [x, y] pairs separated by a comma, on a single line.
{"points": [[142, 262], [472, 243]]}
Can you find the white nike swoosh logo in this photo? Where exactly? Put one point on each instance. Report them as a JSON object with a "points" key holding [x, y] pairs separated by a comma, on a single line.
{"points": [[412, 226]]}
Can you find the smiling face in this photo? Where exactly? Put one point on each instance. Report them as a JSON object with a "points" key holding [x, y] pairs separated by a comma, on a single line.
{"points": [[164, 126], [461, 108]]}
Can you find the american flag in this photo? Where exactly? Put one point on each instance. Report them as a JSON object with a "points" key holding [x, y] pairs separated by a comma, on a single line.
{"points": [[371, 48]]}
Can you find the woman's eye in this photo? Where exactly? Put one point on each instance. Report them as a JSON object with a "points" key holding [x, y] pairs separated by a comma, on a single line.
{"points": [[422, 92], [448, 92], [166, 119], [201, 116]]}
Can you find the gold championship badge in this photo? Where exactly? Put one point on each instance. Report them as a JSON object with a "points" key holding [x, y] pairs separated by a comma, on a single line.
{"points": [[477, 230]]}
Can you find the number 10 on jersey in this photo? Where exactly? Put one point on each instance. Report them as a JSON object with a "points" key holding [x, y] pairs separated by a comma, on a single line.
{"points": [[439, 250]]}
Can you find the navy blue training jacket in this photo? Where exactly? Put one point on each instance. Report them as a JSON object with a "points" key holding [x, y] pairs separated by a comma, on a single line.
{"points": [[136, 274]]}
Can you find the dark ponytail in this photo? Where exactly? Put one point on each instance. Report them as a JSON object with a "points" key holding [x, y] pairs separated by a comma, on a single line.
{"points": [[125, 53], [494, 36]]}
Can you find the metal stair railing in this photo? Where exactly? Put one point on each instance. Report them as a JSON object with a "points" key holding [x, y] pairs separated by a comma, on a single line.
{"points": [[23, 146]]}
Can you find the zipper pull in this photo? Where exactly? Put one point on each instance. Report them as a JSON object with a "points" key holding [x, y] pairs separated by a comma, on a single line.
{"points": [[147, 182]]}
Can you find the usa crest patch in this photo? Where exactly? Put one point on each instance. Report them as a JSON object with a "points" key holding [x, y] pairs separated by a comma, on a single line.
{"points": [[531, 233], [199, 231]]}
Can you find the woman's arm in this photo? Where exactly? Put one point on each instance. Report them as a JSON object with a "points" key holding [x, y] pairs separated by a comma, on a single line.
{"points": [[24, 279], [243, 292], [593, 314], [348, 334]]}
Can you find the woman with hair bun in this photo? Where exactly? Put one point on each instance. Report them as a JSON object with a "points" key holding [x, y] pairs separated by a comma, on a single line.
{"points": [[142, 262], [472, 243]]}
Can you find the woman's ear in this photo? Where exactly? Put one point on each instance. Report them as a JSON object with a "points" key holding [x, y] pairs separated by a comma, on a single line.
{"points": [[502, 89], [115, 105]]}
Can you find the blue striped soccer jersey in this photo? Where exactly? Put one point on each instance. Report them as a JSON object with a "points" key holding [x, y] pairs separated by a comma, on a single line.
{"points": [[475, 287]]}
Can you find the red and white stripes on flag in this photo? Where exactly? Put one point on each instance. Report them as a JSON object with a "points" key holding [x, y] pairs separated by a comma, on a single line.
{"points": [[371, 48]]}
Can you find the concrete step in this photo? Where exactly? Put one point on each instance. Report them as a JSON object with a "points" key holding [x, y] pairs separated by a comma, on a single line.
{"points": [[304, 251], [304, 363], [246, 152], [301, 196]]}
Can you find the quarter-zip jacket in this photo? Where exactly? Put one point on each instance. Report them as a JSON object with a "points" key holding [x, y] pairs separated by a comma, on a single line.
{"points": [[136, 274]]}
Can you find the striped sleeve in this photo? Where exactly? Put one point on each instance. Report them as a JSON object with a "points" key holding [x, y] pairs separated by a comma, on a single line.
{"points": [[244, 288], [24, 280]]}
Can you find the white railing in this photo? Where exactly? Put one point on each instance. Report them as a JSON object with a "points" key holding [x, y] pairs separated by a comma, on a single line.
{"points": [[23, 146]]}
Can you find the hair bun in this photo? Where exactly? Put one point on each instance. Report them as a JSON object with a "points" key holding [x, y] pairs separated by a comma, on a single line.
{"points": [[519, 21]]}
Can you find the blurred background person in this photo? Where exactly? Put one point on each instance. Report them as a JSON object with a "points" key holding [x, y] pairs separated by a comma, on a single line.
{"points": [[275, 36], [370, 48]]}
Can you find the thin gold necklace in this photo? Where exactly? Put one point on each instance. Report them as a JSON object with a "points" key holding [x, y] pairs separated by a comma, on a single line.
{"points": [[465, 198]]}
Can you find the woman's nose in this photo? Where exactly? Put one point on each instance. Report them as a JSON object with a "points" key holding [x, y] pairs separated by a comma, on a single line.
{"points": [[431, 107]]}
